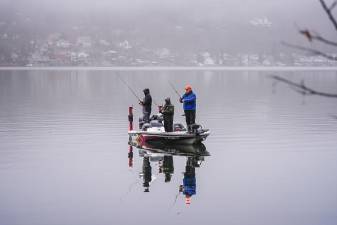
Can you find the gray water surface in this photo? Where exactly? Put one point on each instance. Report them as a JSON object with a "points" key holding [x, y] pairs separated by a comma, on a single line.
{"points": [[64, 150]]}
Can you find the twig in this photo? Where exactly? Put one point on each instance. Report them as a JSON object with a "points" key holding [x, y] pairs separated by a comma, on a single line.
{"points": [[308, 34], [298, 90], [302, 88], [333, 5], [328, 12], [323, 40]]}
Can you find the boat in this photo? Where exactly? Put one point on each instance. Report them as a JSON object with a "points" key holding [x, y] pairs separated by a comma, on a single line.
{"points": [[155, 132], [177, 137], [172, 149]]}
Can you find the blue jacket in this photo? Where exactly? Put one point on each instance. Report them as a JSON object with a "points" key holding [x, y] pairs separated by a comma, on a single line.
{"points": [[189, 101], [189, 186]]}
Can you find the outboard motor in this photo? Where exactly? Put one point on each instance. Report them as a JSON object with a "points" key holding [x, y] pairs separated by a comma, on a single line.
{"points": [[196, 129]]}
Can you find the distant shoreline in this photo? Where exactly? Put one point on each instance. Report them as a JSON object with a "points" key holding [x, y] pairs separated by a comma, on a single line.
{"points": [[171, 68]]}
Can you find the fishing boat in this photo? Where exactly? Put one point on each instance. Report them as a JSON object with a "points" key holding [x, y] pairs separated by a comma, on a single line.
{"points": [[155, 132], [172, 149], [177, 137]]}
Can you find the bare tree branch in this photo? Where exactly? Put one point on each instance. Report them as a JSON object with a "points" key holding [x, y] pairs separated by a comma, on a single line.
{"points": [[311, 50], [333, 6], [324, 40], [328, 12], [311, 36], [298, 90], [301, 88]]}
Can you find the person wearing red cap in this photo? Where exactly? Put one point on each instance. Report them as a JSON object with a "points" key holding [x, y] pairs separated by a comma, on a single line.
{"points": [[189, 182], [187, 200], [189, 105]]}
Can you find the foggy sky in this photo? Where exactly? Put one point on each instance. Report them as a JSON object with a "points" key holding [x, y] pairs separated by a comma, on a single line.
{"points": [[218, 20], [298, 11]]}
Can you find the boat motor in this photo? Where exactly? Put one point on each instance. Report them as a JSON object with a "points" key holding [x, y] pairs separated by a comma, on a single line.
{"points": [[196, 129]]}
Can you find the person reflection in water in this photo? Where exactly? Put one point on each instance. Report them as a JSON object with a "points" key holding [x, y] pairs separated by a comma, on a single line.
{"points": [[168, 168], [147, 174], [189, 182]]}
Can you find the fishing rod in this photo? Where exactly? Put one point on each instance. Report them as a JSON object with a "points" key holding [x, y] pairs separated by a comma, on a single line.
{"points": [[175, 90], [175, 201], [132, 91], [126, 84]]}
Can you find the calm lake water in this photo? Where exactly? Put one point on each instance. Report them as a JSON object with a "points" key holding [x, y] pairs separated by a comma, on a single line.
{"points": [[64, 150]]}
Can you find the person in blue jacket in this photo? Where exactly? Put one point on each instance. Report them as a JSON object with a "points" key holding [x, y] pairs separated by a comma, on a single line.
{"points": [[189, 182], [189, 104]]}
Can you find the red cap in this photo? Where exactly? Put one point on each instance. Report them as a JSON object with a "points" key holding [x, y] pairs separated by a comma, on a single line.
{"points": [[188, 200], [188, 87]]}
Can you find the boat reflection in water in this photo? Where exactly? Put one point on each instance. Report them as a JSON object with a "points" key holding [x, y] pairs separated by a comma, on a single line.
{"points": [[164, 155]]}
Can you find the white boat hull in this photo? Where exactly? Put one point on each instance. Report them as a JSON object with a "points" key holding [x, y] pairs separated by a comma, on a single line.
{"points": [[177, 137]]}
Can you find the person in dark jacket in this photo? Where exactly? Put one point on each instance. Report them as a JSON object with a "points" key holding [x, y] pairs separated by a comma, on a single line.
{"points": [[168, 113], [189, 103], [147, 104], [168, 167], [147, 174]]}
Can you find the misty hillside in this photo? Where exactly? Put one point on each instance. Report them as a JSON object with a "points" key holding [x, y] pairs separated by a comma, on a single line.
{"points": [[188, 27]]}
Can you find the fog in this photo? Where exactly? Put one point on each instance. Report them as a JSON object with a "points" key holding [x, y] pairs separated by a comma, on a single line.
{"points": [[180, 25]]}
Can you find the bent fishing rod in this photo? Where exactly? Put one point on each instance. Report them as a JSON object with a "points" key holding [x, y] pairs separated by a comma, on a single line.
{"points": [[126, 84], [132, 91], [175, 90]]}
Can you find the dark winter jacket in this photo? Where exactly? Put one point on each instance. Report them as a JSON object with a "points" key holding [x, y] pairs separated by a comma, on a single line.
{"points": [[168, 110], [147, 101], [189, 185]]}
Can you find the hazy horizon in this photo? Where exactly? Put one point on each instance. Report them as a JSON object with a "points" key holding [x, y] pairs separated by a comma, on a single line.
{"points": [[181, 26]]}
